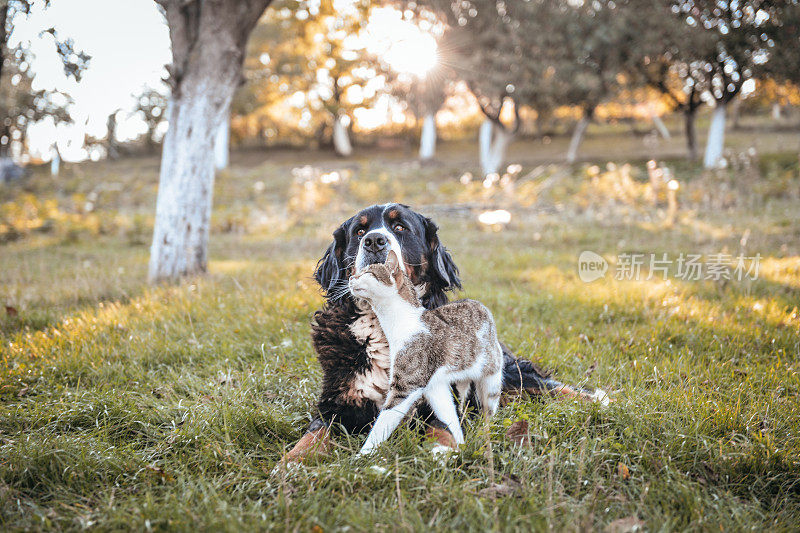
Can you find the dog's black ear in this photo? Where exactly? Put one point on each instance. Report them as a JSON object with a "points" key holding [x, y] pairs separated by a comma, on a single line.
{"points": [[330, 270], [443, 270]]}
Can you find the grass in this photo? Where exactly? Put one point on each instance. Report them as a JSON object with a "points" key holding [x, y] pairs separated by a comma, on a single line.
{"points": [[126, 406]]}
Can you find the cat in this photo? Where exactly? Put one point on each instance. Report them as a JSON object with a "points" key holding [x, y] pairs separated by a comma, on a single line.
{"points": [[430, 350]]}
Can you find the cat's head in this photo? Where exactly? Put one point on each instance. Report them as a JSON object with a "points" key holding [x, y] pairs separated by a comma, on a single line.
{"points": [[382, 281]]}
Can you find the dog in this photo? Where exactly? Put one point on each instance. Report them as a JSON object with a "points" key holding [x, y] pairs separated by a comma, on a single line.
{"points": [[351, 347]]}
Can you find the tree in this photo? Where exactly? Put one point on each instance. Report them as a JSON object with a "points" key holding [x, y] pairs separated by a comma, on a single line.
{"points": [[740, 42], [483, 44], [591, 47], [423, 96], [208, 48], [21, 105], [670, 59], [151, 106], [539, 54], [309, 54], [75, 62], [784, 59], [430, 95]]}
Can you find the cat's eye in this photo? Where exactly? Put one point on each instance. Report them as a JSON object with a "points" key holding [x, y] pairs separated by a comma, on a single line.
{"points": [[399, 228], [360, 232]]}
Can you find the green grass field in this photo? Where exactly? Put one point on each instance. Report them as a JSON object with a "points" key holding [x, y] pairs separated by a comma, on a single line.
{"points": [[158, 408]]}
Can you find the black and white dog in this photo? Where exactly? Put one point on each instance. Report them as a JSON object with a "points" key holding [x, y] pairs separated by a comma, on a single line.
{"points": [[347, 337]]}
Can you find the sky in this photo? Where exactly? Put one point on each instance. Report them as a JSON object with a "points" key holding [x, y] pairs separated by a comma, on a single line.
{"points": [[129, 44]]}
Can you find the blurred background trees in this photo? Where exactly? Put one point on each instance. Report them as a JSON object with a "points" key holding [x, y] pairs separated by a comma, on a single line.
{"points": [[338, 74], [332, 74], [306, 67], [343, 75]]}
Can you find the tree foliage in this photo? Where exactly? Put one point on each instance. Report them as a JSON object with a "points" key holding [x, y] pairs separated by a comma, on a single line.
{"points": [[784, 56], [151, 106], [307, 66], [21, 105]]}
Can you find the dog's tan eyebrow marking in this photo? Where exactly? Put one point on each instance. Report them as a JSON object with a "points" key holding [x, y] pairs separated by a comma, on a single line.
{"points": [[394, 213], [363, 219]]}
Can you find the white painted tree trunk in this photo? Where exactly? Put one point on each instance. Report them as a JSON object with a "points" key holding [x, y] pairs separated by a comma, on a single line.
{"points": [[660, 126], [577, 137], [183, 208], [427, 141], [485, 144], [55, 162], [222, 144], [777, 112], [341, 140], [208, 47], [493, 143], [716, 137]]}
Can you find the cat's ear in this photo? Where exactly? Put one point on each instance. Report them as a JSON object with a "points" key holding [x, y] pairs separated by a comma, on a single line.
{"points": [[391, 262]]}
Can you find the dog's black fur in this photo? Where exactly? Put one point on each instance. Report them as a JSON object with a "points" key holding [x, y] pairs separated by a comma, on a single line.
{"points": [[342, 357]]}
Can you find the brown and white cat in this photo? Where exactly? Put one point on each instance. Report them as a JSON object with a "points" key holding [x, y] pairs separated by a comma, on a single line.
{"points": [[430, 350]]}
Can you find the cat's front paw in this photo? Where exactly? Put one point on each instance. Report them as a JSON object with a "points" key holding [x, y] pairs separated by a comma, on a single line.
{"points": [[366, 451], [600, 396]]}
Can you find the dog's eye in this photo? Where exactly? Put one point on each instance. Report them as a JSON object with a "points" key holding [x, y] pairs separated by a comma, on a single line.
{"points": [[399, 228], [360, 232]]}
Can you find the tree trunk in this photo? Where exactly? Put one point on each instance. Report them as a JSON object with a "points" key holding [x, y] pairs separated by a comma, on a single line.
{"points": [[3, 38], [736, 113], [55, 161], [660, 126], [716, 137], [427, 141], [341, 139], [5, 148], [777, 111], [691, 133], [222, 144], [149, 141], [208, 47], [577, 137], [493, 140], [485, 144]]}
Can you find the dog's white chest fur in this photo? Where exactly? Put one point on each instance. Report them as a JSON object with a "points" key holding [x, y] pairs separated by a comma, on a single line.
{"points": [[374, 383]]}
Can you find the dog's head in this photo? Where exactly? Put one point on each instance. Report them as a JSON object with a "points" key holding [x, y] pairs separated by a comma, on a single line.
{"points": [[366, 239]]}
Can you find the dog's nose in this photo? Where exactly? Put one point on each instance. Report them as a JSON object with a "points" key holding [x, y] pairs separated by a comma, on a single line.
{"points": [[375, 242]]}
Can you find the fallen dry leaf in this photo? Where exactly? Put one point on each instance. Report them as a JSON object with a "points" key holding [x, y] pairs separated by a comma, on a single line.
{"points": [[518, 433], [11, 311], [623, 471], [157, 470]]}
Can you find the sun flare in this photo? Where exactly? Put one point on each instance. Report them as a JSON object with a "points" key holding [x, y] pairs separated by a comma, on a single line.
{"points": [[415, 55], [405, 47]]}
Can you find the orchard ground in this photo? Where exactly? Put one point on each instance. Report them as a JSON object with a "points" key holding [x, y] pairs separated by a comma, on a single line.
{"points": [[129, 406]]}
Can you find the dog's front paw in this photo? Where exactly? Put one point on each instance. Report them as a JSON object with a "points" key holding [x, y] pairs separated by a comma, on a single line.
{"points": [[286, 468]]}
